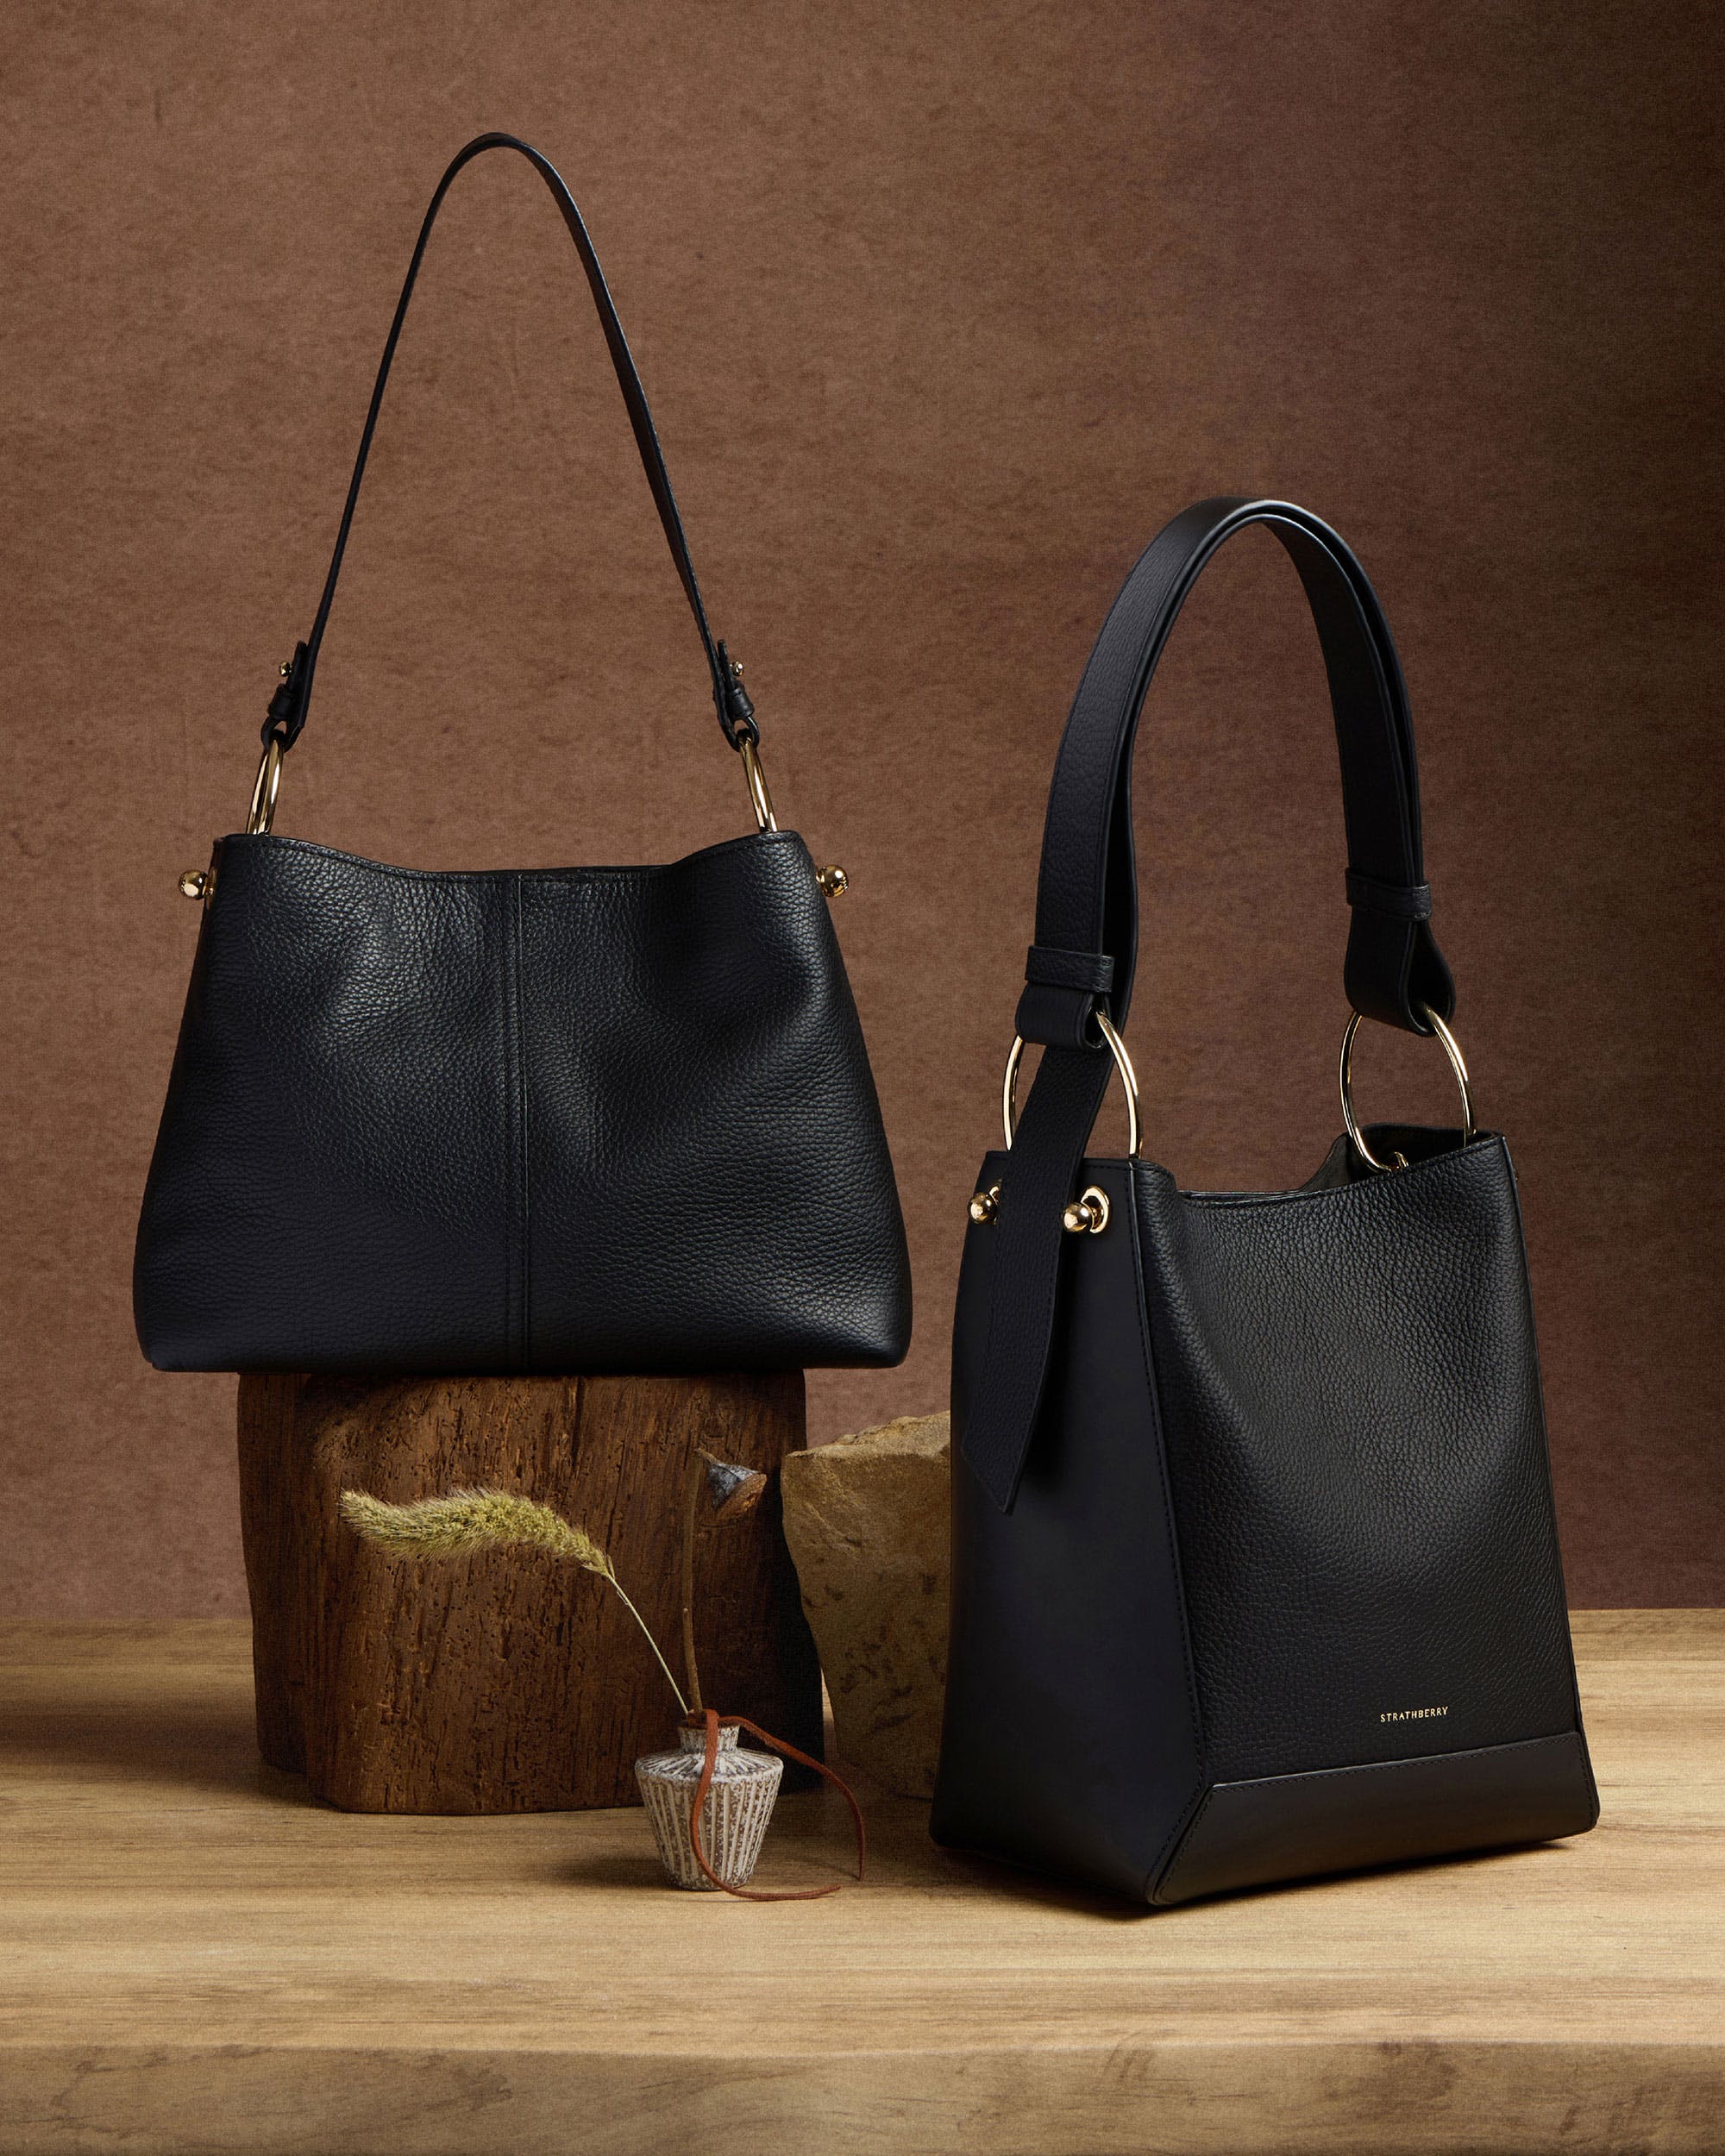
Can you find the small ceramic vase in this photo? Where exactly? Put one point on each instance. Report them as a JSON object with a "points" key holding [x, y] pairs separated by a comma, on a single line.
{"points": [[739, 1803]]}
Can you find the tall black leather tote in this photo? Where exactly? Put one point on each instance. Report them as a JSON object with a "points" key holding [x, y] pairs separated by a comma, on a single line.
{"points": [[564, 1120], [1254, 1569]]}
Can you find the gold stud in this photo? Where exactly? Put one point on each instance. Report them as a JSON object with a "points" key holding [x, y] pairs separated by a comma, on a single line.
{"points": [[285, 668], [985, 1204], [1088, 1215], [192, 883], [833, 881]]}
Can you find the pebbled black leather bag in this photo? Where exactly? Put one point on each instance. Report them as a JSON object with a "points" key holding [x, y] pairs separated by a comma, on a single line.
{"points": [[562, 1121], [1255, 1569]]}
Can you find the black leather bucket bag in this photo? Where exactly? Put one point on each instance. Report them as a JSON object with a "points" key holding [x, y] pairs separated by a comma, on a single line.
{"points": [[562, 1121], [1255, 1569]]}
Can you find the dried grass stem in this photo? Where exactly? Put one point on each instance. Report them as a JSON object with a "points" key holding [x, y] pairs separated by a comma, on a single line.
{"points": [[467, 1520]]}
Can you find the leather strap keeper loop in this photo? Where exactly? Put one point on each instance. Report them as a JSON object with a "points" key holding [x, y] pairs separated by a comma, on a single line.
{"points": [[1401, 901], [1090, 970], [1061, 989]]}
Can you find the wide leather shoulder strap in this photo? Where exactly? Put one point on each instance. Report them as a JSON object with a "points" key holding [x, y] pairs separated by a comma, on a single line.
{"points": [[736, 714], [1086, 948]]}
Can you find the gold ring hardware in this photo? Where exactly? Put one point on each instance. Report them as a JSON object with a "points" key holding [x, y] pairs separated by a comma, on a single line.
{"points": [[832, 880], [265, 788], [1452, 1048], [759, 799], [1117, 1048], [1088, 1215], [986, 1205]]}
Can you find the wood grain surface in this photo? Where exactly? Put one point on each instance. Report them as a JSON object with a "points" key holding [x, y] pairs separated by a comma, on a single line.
{"points": [[195, 1956], [509, 1681]]}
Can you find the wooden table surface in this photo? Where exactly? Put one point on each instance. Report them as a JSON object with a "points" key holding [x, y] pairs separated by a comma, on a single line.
{"points": [[195, 1959]]}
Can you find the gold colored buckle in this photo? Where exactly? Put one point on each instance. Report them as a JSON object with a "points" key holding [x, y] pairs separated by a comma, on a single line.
{"points": [[265, 788], [1452, 1048], [1117, 1048]]}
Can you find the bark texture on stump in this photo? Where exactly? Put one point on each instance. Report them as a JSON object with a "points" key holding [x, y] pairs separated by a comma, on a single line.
{"points": [[507, 1681]]}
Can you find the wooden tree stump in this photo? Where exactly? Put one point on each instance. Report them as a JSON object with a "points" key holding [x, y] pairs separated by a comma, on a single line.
{"points": [[507, 1681]]}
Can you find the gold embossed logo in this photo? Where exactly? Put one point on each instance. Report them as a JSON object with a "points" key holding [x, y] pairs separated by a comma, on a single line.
{"points": [[1413, 1714]]}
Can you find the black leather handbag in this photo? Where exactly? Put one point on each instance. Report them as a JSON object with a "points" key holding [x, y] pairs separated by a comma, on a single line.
{"points": [[563, 1120], [1255, 1569]]}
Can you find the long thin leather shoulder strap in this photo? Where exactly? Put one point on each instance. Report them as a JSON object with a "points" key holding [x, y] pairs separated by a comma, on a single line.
{"points": [[736, 714], [1086, 948]]}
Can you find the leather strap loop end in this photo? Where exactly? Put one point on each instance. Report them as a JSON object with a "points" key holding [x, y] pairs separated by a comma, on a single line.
{"points": [[1056, 1017], [735, 709], [1386, 947], [286, 715]]}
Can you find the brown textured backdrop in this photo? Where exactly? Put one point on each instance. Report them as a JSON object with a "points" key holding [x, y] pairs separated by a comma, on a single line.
{"points": [[943, 309]]}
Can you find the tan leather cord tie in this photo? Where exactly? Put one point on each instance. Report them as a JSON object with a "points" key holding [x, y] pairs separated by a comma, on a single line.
{"points": [[715, 1722]]}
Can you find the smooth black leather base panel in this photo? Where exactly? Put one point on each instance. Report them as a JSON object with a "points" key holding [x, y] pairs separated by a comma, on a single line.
{"points": [[1301, 1826], [560, 1120]]}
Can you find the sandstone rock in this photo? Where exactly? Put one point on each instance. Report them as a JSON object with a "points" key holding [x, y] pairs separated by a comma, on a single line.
{"points": [[867, 1519]]}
